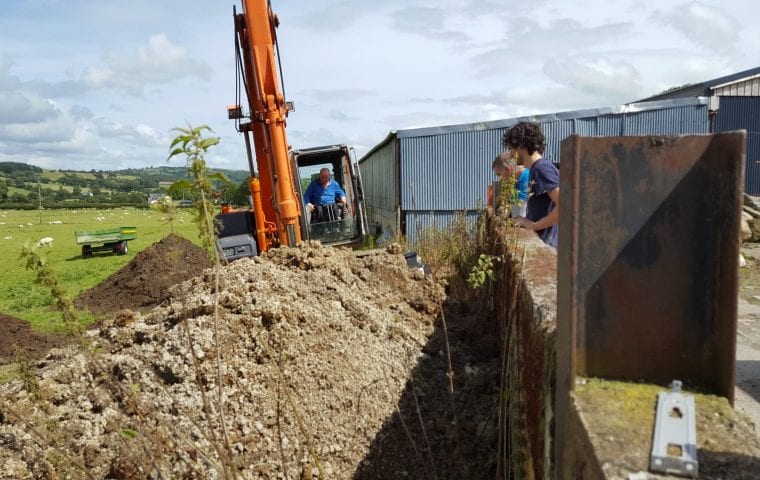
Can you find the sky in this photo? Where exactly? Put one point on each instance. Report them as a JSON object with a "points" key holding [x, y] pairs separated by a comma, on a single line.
{"points": [[92, 84]]}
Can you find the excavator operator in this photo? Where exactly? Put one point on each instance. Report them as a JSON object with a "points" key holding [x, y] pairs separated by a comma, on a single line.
{"points": [[325, 199]]}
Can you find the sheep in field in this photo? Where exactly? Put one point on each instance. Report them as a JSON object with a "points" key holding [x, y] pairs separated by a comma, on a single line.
{"points": [[45, 242]]}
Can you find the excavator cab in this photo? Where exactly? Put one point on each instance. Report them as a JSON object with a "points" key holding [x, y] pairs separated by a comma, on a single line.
{"points": [[334, 223]]}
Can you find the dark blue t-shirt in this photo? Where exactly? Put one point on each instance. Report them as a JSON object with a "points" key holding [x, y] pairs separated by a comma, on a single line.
{"points": [[544, 177]]}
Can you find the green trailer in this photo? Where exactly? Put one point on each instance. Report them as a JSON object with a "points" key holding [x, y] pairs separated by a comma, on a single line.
{"points": [[106, 239]]}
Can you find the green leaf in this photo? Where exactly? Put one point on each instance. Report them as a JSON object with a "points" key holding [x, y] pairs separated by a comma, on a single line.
{"points": [[175, 141], [128, 433], [176, 151], [209, 142]]}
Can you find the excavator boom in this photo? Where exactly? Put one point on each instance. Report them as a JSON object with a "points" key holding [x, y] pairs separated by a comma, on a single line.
{"points": [[255, 29]]}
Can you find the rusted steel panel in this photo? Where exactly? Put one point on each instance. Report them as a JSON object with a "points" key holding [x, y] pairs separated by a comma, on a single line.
{"points": [[648, 259]]}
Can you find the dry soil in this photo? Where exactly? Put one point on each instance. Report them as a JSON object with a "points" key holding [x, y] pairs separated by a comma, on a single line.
{"points": [[302, 363]]}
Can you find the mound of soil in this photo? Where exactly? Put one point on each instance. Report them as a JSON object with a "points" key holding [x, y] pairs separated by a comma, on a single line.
{"points": [[18, 341], [141, 284], [302, 363], [144, 282]]}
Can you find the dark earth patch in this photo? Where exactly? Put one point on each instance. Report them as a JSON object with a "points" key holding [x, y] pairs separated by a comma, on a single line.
{"points": [[140, 285], [18, 341], [144, 282]]}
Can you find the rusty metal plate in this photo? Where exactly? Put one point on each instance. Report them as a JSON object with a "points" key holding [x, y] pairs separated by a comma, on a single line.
{"points": [[648, 259]]}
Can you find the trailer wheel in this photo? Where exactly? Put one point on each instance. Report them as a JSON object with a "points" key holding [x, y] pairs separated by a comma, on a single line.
{"points": [[124, 248], [86, 251], [120, 248]]}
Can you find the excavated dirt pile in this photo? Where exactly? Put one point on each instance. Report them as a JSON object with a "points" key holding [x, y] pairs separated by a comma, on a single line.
{"points": [[331, 364], [145, 281]]}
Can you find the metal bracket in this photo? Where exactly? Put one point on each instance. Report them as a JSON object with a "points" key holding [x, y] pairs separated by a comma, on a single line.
{"points": [[674, 449]]}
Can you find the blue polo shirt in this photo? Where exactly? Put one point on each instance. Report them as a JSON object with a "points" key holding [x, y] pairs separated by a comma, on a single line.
{"points": [[316, 194], [521, 185], [544, 177]]}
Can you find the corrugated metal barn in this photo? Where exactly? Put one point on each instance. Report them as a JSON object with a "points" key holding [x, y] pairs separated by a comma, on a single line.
{"points": [[420, 178], [734, 105]]}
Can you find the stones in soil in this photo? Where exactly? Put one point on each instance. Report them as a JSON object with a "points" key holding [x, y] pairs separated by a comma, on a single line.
{"points": [[299, 362]]}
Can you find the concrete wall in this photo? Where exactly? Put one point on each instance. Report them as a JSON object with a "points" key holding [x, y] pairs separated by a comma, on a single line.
{"points": [[526, 314], [610, 424]]}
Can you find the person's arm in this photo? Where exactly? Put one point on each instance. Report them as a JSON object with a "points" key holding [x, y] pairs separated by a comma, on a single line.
{"points": [[545, 222], [340, 195], [307, 197]]}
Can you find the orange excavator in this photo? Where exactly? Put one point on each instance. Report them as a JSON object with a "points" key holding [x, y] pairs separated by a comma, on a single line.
{"points": [[279, 216]]}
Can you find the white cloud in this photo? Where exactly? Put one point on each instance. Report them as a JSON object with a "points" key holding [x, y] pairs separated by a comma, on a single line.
{"points": [[160, 62], [707, 26], [100, 85], [595, 75], [142, 134], [338, 115], [8, 82], [79, 112], [17, 107], [428, 22], [336, 95], [526, 42], [35, 140], [337, 16]]}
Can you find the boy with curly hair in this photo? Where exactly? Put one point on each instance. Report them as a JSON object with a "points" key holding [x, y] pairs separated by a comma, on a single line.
{"points": [[542, 214]]}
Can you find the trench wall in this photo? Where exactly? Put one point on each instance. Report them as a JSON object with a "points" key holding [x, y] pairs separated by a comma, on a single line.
{"points": [[526, 311], [608, 425]]}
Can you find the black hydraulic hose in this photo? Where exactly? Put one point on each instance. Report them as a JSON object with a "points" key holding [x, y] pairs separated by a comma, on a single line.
{"points": [[277, 49]]}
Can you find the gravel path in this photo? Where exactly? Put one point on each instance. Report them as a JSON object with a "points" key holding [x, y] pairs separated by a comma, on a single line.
{"points": [[748, 339]]}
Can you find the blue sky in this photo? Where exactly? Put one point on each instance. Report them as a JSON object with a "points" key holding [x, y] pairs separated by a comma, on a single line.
{"points": [[87, 84]]}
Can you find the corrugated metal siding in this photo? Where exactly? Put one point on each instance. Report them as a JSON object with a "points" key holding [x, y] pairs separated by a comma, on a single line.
{"points": [[448, 168], [380, 180], [448, 171], [671, 121], [555, 132], [747, 88], [462, 160], [419, 221], [741, 113], [451, 171], [608, 124]]}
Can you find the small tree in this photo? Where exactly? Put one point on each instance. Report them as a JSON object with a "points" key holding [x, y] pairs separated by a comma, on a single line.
{"points": [[194, 146]]}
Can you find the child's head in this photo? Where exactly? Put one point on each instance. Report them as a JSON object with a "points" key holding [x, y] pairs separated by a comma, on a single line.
{"points": [[504, 165]]}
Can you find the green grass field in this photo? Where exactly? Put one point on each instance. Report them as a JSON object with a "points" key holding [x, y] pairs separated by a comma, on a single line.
{"points": [[22, 298]]}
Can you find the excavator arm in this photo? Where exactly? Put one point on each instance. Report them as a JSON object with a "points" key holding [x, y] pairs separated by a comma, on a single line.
{"points": [[280, 206]]}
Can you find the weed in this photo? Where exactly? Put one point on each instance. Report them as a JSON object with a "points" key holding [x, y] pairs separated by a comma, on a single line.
{"points": [[46, 277], [8, 373], [482, 271], [194, 146], [26, 374], [456, 253]]}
